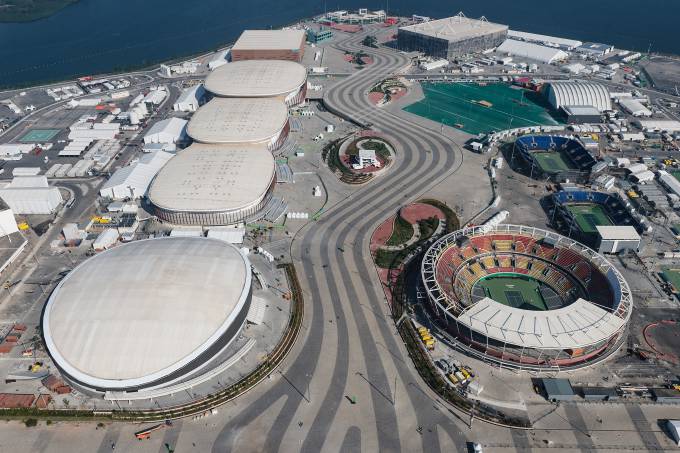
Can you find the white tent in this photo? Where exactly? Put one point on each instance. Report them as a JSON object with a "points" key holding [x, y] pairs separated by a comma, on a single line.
{"points": [[532, 51], [171, 130], [133, 181], [31, 195]]}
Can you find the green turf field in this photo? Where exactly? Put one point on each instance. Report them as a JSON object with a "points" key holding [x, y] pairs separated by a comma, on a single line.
{"points": [[672, 275], [514, 290], [675, 174], [456, 103], [552, 162], [39, 135], [589, 216]]}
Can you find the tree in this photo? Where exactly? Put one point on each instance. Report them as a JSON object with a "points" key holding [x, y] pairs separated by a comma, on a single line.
{"points": [[370, 41]]}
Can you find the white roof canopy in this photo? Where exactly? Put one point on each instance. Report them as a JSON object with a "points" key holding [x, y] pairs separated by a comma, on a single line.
{"points": [[575, 326]]}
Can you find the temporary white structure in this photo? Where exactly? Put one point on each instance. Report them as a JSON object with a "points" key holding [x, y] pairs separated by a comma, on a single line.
{"points": [[31, 195], [532, 51], [190, 99], [133, 180], [171, 130]]}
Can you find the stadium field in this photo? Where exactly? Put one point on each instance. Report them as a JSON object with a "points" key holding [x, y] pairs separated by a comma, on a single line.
{"points": [[589, 216], [552, 162], [672, 275], [39, 135], [514, 290], [675, 174]]}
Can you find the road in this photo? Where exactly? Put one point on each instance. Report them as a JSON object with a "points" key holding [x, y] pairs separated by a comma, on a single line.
{"points": [[351, 348]]}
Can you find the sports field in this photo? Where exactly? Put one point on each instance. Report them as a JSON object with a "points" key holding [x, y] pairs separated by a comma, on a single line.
{"points": [[457, 103], [552, 162], [672, 275], [514, 290], [39, 135], [589, 216], [675, 174]]}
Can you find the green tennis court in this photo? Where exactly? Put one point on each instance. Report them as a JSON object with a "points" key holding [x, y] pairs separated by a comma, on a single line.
{"points": [[675, 174], [672, 275], [514, 290], [589, 216], [552, 162], [39, 135]]}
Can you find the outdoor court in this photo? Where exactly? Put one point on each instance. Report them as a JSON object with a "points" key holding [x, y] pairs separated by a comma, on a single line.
{"points": [[39, 135], [458, 103], [589, 216], [514, 290], [552, 161], [672, 275], [675, 174]]}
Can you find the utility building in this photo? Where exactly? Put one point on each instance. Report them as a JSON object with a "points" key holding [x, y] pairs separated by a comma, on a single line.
{"points": [[269, 45], [451, 37], [614, 239]]}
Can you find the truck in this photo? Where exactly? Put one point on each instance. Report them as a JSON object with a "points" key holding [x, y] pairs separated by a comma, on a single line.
{"points": [[146, 433]]}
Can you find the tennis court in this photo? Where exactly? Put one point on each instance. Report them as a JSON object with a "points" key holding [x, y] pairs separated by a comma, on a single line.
{"points": [[552, 161], [672, 276], [458, 104], [589, 216], [514, 290], [675, 174], [39, 135]]}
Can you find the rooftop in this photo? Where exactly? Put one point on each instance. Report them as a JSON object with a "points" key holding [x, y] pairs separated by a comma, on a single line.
{"points": [[213, 178], [270, 40], [577, 325], [256, 78], [456, 28], [238, 120], [139, 311], [618, 233]]}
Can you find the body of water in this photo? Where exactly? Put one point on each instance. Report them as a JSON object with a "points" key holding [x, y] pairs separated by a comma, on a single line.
{"points": [[96, 36]]}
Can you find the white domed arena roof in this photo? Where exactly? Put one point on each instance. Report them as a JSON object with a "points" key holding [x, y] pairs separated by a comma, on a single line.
{"points": [[138, 312]]}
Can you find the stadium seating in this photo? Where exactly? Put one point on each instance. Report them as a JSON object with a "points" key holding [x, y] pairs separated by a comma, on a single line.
{"points": [[611, 204], [573, 149], [458, 269]]}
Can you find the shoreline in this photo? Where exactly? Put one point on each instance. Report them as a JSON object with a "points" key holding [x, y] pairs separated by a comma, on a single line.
{"points": [[144, 68], [134, 68]]}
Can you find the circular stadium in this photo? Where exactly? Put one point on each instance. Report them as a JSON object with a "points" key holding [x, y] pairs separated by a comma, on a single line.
{"points": [[526, 298], [148, 316], [241, 121], [284, 80], [554, 157], [213, 185]]}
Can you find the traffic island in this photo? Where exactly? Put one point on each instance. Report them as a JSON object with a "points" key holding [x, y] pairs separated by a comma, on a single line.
{"points": [[357, 158]]}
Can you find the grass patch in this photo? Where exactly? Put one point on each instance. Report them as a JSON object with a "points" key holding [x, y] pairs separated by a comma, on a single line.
{"points": [[402, 231]]}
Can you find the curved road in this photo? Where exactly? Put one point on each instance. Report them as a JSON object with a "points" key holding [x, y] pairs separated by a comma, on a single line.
{"points": [[350, 347]]}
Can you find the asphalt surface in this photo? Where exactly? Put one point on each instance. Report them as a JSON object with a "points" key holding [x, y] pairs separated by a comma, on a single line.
{"points": [[352, 348]]}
